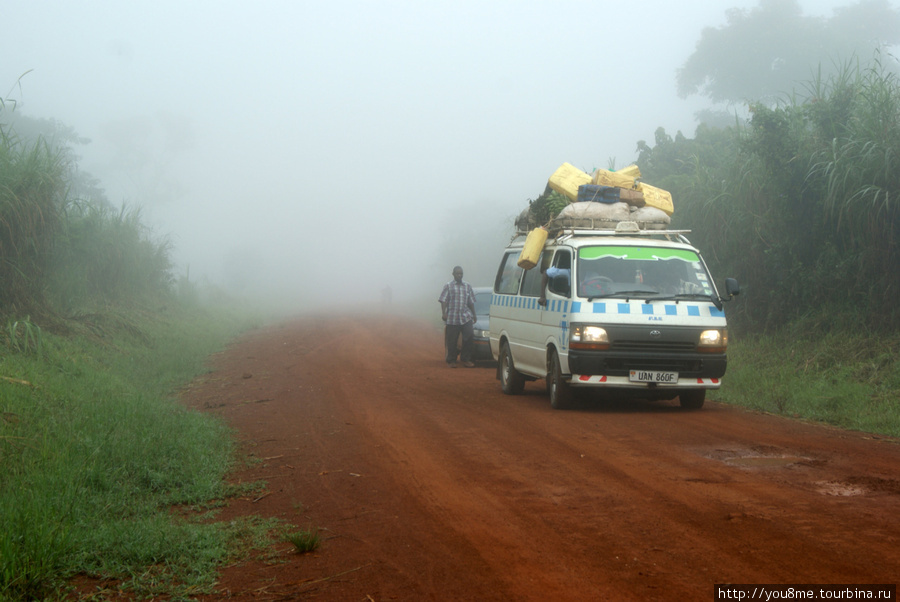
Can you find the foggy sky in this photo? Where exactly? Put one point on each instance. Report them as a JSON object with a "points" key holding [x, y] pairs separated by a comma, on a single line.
{"points": [[319, 151]]}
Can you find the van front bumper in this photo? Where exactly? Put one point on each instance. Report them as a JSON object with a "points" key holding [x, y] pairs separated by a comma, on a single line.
{"points": [[620, 363]]}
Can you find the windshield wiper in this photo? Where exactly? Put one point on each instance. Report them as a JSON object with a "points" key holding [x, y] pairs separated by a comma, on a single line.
{"points": [[685, 296], [625, 294]]}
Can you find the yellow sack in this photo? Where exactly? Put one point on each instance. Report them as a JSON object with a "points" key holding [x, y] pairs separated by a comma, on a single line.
{"points": [[657, 197], [567, 179], [534, 245]]}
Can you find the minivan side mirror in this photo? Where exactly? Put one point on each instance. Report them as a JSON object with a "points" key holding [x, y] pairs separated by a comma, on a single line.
{"points": [[559, 284], [732, 287]]}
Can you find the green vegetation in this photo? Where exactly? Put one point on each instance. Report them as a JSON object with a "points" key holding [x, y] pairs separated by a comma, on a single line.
{"points": [[800, 204], [32, 185], [305, 540], [95, 450], [846, 379], [103, 473]]}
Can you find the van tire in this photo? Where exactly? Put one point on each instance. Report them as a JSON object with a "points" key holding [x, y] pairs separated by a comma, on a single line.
{"points": [[692, 399], [559, 390], [511, 381]]}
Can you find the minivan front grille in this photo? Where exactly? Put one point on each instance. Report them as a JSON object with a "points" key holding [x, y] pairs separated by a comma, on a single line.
{"points": [[621, 366], [668, 346]]}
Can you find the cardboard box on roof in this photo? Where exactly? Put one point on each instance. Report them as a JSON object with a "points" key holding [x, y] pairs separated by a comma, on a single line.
{"points": [[567, 179]]}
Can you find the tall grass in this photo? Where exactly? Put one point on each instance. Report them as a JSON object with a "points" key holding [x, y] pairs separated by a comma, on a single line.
{"points": [[805, 210], [94, 450], [61, 253], [32, 185], [106, 255]]}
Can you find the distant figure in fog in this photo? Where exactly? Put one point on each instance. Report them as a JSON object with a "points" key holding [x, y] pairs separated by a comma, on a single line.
{"points": [[458, 313], [386, 296]]}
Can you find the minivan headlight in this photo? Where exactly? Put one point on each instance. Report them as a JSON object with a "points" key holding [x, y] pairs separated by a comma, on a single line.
{"points": [[713, 341], [588, 336]]}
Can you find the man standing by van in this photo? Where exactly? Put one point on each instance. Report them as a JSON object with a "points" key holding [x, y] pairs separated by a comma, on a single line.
{"points": [[458, 313]]}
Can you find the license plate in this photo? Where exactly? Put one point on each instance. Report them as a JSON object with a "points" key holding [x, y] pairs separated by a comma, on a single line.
{"points": [[652, 376]]}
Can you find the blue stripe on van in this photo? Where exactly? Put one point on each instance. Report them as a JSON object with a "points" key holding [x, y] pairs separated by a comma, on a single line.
{"points": [[566, 306]]}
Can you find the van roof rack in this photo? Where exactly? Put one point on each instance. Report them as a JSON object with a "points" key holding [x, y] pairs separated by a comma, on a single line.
{"points": [[670, 235], [607, 228]]}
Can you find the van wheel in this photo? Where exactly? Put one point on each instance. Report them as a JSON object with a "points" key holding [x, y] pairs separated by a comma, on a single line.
{"points": [[559, 390], [692, 399], [511, 381]]}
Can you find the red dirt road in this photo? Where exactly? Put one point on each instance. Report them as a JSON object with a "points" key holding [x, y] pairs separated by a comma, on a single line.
{"points": [[428, 483]]}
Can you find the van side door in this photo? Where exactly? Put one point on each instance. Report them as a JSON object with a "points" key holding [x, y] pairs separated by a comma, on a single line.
{"points": [[505, 302], [531, 355], [555, 314]]}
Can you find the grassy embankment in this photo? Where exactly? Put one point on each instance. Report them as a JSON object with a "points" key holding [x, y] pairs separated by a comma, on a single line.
{"points": [[95, 450], [846, 379]]}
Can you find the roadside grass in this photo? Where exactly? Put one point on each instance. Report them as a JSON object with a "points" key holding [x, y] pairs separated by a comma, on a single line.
{"points": [[95, 451], [846, 378], [304, 541]]}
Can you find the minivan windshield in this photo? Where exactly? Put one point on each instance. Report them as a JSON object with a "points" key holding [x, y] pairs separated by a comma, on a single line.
{"points": [[646, 272]]}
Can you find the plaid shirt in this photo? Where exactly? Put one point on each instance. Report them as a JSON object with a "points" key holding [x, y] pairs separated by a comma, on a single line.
{"points": [[458, 296]]}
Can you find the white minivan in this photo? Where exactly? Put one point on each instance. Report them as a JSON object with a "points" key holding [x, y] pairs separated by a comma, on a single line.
{"points": [[628, 310]]}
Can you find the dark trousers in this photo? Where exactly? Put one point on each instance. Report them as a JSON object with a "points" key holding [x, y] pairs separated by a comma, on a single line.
{"points": [[451, 338]]}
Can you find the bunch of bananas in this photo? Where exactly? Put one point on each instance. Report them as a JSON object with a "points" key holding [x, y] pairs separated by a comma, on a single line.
{"points": [[547, 206]]}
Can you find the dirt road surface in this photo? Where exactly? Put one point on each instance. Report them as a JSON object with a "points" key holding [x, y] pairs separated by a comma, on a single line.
{"points": [[428, 483]]}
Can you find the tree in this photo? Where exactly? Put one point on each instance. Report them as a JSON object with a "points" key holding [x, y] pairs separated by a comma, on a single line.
{"points": [[760, 54]]}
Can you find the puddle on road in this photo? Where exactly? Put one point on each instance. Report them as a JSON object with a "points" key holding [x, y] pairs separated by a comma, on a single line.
{"points": [[840, 489], [759, 457], [764, 461]]}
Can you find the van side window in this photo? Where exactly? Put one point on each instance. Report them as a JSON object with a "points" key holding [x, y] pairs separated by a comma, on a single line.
{"points": [[563, 261], [509, 275], [531, 287]]}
